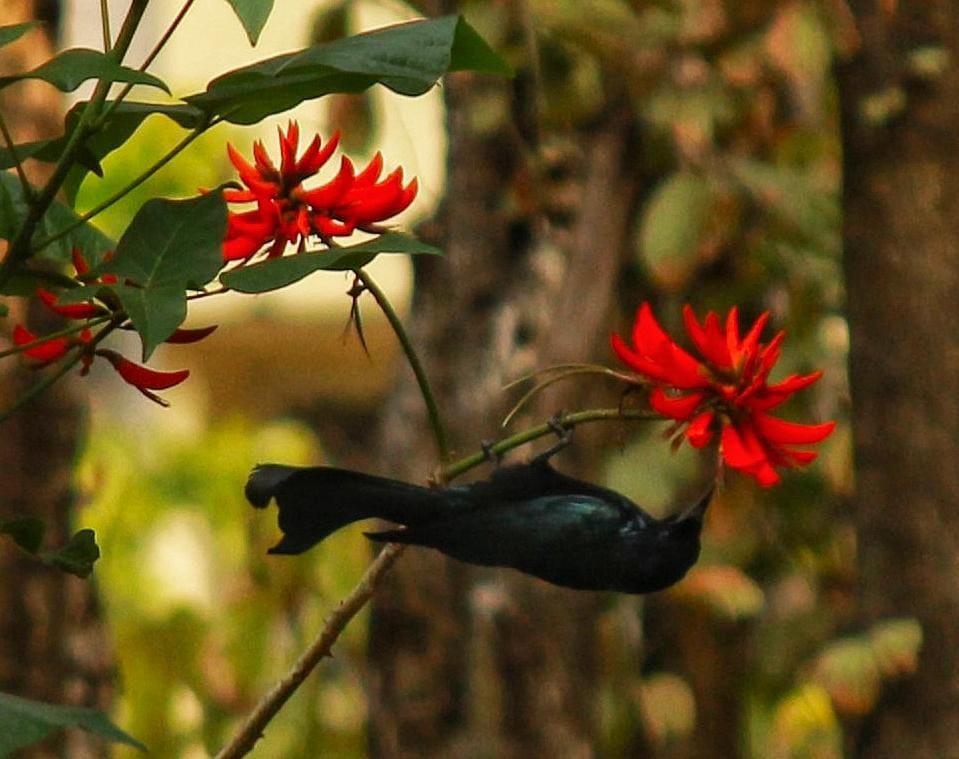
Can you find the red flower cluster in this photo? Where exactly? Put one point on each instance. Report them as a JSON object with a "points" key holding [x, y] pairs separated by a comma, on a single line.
{"points": [[726, 391], [43, 352], [287, 213]]}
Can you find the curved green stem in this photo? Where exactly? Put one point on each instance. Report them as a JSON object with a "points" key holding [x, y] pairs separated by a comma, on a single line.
{"points": [[432, 410], [520, 438], [20, 247]]}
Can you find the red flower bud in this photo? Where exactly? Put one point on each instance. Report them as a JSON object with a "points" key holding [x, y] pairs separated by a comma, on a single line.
{"points": [[46, 352], [143, 378]]}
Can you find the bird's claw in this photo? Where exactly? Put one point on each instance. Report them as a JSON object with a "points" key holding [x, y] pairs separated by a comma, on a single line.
{"points": [[564, 436], [493, 456]]}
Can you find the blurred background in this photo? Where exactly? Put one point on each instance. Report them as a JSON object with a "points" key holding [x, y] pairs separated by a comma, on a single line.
{"points": [[793, 156]]}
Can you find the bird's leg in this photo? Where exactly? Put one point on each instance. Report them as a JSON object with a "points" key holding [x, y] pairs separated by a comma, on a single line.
{"points": [[493, 457], [563, 433]]}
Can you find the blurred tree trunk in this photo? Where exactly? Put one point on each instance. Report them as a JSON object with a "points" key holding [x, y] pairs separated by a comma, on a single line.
{"points": [[52, 643], [471, 662], [902, 269]]}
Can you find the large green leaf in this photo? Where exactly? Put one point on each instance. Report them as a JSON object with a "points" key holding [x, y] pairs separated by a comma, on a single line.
{"points": [[280, 272], [24, 722], [73, 67], [123, 122], [13, 32], [407, 58], [253, 15], [170, 246], [13, 210]]}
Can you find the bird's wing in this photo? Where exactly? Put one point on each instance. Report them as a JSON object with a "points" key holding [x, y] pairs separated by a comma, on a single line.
{"points": [[525, 482], [565, 539]]}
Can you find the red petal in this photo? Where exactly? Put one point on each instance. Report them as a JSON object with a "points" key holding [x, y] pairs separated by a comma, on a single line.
{"points": [[288, 145], [679, 407], [45, 352], [143, 377], [238, 248], [264, 165], [329, 195], [708, 339], [79, 262], [700, 430], [732, 331], [182, 336], [680, 369], [327, 227], [247, 172], [70, 310], [369, 175], [635, 361], [316, 155], [238, 196], [737, 450], [781, 432]]}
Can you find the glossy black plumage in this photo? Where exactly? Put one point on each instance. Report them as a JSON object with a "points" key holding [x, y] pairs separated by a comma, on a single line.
{"points": [[528, 517]]}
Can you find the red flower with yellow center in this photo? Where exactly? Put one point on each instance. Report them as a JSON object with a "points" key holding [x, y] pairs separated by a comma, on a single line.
{"points": [[287, 213], [726, 391]]}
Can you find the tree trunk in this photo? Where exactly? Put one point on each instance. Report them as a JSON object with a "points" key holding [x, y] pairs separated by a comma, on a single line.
{"points": [[902, 274], [52, 642], [471, 662]]}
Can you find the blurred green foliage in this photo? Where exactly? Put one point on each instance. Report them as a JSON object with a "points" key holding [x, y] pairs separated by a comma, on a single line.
{"points": [[203, 621]]}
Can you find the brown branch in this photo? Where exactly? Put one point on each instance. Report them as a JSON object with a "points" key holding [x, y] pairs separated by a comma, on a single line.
{"points": [[273, 701]]}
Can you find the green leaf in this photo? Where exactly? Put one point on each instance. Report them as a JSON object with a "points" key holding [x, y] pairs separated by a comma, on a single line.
{"points": [[156, 312], [78, 556], [407, 58], [673, 225], [253, 15], [169, 247], [280, 272], [26, 532], [4, 311], [73, 67], [123, 122], [24, 722], [13, 210], [13, 32]]}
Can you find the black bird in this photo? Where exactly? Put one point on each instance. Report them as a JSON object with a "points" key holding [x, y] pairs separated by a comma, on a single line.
{"points": [[527, 516]]}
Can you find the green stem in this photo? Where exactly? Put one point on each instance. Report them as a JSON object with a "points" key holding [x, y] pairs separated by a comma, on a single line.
{"points": [[18, 164], [432, 410], [111, 107], [73, 329], [569, 421], [64, 367], [20, 249], [132, 185], [105, 25]]}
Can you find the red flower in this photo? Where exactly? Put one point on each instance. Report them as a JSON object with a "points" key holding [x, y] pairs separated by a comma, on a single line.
{"points": [[724, 391], [46, 352], [287, 213]]}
